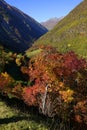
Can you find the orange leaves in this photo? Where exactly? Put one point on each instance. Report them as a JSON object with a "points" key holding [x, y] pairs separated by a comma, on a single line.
{"points": [[24, 69], [29, 98], [17, 91], [80, 110], [31, 94]]}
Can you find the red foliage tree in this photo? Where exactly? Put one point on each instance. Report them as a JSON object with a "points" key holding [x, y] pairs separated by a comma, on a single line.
{"points": [[61, 77]]}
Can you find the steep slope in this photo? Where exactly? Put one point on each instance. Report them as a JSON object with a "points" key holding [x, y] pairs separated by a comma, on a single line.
{"points": [[49, 24], [17, 30], [70, 33]]}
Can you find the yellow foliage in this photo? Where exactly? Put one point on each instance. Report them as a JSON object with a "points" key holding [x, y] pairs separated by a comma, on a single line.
{"points": [[18, 62], [5, 75], [67, 95], [69, 45]]}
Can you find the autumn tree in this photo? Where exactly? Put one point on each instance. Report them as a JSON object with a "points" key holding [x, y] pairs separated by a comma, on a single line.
{"points": [[59, 83]]}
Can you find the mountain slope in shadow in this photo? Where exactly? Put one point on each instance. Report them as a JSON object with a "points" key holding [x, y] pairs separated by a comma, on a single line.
{"points": [[18, 31]]}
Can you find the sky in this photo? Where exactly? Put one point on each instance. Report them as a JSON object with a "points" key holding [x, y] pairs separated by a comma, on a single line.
{"points": [[42, 10]]}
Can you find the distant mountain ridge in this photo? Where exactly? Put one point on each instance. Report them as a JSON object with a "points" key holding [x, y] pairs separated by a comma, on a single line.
{"points": [[70, 34], [18, 31], [49, 24]]}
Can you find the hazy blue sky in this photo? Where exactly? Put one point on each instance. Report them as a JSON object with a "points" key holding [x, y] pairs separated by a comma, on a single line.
{"points": [[42, 10]]}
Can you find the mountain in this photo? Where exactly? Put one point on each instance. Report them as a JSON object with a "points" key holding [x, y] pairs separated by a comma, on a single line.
{"points": [[49, 24], [70, 33], [17, 30]]}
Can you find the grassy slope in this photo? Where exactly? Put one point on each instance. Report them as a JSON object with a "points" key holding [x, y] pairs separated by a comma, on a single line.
{"points": [[13, 119], [70, 33]]}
